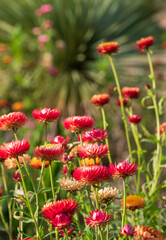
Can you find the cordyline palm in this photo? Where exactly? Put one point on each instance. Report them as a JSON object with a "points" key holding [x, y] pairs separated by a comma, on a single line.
{"points": [[81, 25]]}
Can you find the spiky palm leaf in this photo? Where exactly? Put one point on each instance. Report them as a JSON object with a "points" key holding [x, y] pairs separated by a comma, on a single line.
{"points": [[81, 25]]}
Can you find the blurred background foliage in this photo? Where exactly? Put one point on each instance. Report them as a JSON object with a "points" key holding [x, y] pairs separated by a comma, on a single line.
{"points": [[66, 71]]}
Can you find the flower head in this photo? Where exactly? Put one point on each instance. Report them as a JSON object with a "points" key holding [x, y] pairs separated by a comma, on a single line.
{"points": [[37, 163], [61, 221], [90, 161], [131, 92], [0, 192], [123, 169], [108, 47], [127, 230], [100, 99], [78, 123], [43, 38], [12, 120], [16, 177], [18, 106], [11, 163], [66, 158], [91, 175], [70, 184], [46, 115], [135, 118], [19, 193], [162, 128], [15, 148], [134, 202], [46, 8], [93, 150], [106, 194], [60, 140], [95, 135], [98, 218], [144, 43], [125, 102], [66, 206], [49, 152], [147, 233]]}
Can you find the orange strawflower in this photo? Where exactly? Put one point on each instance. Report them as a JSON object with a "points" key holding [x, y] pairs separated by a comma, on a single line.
{"points": [[143, 232], [144, 43], [17, 106], [100, 99], [6, 59], [3, 103], [37, 163], [3, 48], [90, 161], [108, 47], [134, 202]]}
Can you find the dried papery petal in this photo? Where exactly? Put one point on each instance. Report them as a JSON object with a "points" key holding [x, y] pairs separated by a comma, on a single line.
{"points": [[108, 47], [134, 202], [100, 99], [106, 194], [12, 120], [78, 123], [98, 218], [92, 174], [70, 184]]}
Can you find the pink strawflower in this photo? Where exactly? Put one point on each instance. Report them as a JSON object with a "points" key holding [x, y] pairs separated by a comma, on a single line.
{"points": [[53, 71], [36, 30], [98, 218], [78, 123], [127, 230], [61, 221], [93, 150], [91, 175], [14, 148], [60, 140], [95, 135], [46, 8], [43, 38], [46, 115], [16, 177], [12, 120], [135, 119], [123, 169]]}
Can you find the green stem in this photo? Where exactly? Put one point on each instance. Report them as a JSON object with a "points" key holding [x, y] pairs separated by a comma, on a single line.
{"points": [[51, 180], [56, 234], [105, 128], [101, 235], [28, 202], [3, 220], [45, 133], [8, 201], [95, 190], [122, 106], [81, 145], [124, 204], [133, 218], [21, 224], [66, 234]]}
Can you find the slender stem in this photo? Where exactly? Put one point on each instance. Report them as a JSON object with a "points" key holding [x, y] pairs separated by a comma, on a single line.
{"points": [[101, 235], [105, 128], [8, 200], [45, 133], [122, 106], [44, 186], [81, 141], [66, 234], [95, 190], [28, 202], [124, 203], [51, 180], [56, 234], [133, 218], [3, 220], [21, 224]]}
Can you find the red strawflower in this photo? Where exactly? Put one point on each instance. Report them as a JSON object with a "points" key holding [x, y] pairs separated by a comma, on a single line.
{"points": [[127, 230], [91, 175], [15, 148], [69, 232], [0, 192], [61, 140], [66, 206], [100, 99], [162, 128], [123, 169], [16, 177], [12, 120], [98, 218], [49, 152], [3, 155], [46, 115], [135, 119], [125, 102], [78, 123], [131, 92], [108, 47], [144, 43], [95, 135], [66, 158], [93, 150], [61, 221]]}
